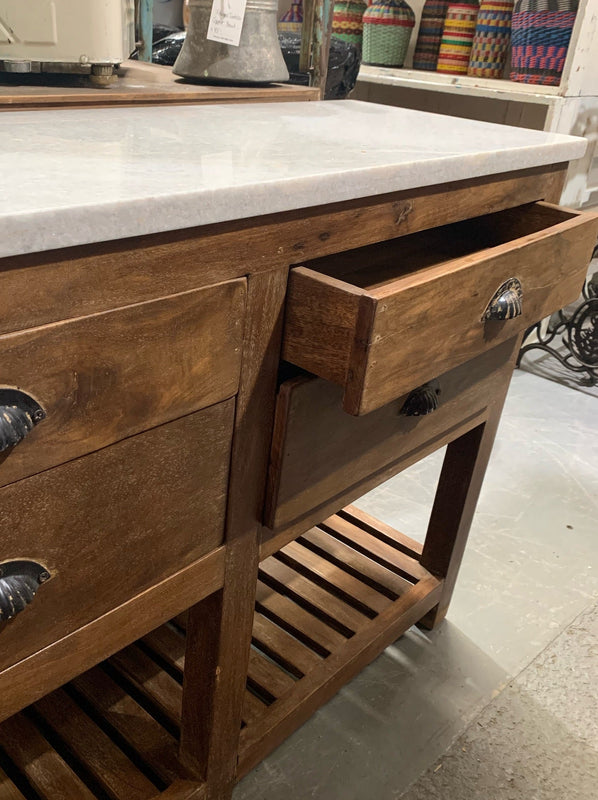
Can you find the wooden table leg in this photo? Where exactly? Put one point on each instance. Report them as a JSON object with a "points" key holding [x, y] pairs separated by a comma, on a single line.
{"points": [[219, 628], [455, 502]]}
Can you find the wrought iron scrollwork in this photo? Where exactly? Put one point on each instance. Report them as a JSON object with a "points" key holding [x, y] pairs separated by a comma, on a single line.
{"points": [[578, 332]]}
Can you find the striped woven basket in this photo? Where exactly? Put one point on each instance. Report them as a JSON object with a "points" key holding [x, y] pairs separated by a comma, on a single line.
{"points": [[347, 21], [292, 20], [541, 34], [491, 40], [387, 26], [457, 38], [430, 34]]}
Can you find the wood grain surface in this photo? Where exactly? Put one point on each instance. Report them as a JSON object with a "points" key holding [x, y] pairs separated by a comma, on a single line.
{"points": [[108, 376], [138, 83], [109, 525]]}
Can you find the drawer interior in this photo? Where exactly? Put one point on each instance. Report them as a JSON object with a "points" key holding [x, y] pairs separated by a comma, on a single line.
{"points": [[373, 267]]}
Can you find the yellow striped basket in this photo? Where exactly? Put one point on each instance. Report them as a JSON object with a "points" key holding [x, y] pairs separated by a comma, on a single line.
{"points": [[457, 38]]}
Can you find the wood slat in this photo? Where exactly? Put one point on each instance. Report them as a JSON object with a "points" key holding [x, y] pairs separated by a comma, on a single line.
{"points": [[350, 589], [355, 562], [184, 790], [181, 620], [109, 766], [325, 605], [389, 534], [374, 548], [298, 621], [121, 713], [8, 791], [268, 676], [280, 645], [46, 771], [253, 709], [157, 686], [169, 644]]}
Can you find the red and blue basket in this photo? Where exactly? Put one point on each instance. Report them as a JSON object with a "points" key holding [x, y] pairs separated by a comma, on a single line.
{"points": [[491, 40], [541, 32]]}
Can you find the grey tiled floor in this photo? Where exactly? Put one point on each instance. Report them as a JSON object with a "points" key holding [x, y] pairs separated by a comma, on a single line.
{"points": [[500, 703]]}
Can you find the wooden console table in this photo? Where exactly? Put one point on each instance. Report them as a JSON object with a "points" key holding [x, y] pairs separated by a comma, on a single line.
{"points": [[193, 404]]}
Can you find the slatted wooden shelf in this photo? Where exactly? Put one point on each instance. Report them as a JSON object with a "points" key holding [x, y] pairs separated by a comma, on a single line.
{"points": [[326, 605], [108, 735]]}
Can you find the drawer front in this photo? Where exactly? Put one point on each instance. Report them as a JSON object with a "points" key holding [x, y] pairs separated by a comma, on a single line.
{"points": [[323, 458], [380, 320], [109, 525], [107, 376]]}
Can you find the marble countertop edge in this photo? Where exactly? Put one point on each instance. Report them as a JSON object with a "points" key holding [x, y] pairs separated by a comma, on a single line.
{"points": [[68, 226]]}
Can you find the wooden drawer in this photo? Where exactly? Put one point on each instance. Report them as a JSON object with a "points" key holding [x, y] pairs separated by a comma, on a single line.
{"points": [[104, 377], [323, 458], [111, 524], [383, 319]]}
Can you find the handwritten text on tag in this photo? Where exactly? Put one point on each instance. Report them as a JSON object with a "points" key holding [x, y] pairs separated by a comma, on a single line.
{"points": [[226, 21]]}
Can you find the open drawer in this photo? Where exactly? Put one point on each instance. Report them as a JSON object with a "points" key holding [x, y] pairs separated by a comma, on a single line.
{"points": [[384, 318]]}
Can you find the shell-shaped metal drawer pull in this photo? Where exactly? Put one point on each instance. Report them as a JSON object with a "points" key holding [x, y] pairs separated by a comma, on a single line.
{"points": [[19, 582], [507, 301], [19, 413], [421, 401]]}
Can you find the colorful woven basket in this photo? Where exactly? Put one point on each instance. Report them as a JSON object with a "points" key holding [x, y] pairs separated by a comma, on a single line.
{"points": [[457, 38], [387, 26], [292, 20], [541, 34], [430, 34], [347, 21], [491, 40]]}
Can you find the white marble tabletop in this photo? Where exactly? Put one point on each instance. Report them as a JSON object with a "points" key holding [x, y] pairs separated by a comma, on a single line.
{"points": [[77, 176]]}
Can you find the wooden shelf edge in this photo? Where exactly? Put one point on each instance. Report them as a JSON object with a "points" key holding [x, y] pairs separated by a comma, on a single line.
{"points": [[498, 89]]}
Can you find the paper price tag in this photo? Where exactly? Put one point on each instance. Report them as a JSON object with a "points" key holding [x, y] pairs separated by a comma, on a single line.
{"points": [[226, 21]]}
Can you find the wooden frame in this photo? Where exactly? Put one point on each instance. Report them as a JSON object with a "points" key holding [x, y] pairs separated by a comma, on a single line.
{"points": [[196, 684]]}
